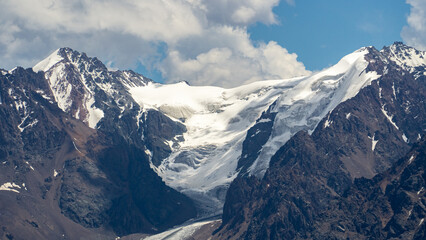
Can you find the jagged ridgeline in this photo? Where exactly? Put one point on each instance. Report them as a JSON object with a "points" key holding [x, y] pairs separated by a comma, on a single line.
{"points": [[358, 175], [91, 153]]}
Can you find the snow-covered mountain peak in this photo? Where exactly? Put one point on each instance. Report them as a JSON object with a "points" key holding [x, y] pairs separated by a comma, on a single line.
{"points": [[304, 105], [405, 56], [67, 55], [77, 81]]}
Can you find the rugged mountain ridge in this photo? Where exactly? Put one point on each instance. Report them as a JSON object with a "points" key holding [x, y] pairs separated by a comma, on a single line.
{"points": [[205, 135], [83, 87], [97, 139], [62, 179], [310, 177]]}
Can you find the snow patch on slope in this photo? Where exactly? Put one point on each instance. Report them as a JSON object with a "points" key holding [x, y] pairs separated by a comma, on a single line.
{"points": [[348, 115], [411, 159], [405, 56], [23, 125], [94, 114], [49, 62], [327, 122], [13, 187], [389, 117], [373, 142], [404, 138], [60, 87]]}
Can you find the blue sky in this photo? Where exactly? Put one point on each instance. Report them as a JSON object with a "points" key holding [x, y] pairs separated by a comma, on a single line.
{"points": [[321, 32], [204, 42]]}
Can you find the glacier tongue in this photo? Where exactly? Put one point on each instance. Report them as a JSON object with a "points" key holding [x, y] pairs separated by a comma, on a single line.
{"points": [[217, 120]]}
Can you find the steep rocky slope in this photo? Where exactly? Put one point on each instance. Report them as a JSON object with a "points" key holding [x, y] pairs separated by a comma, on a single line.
{"points": [[61, 179], [308, 188]]}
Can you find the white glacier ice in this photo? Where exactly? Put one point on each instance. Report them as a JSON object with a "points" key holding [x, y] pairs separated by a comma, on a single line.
{"points": [[218, 119]]}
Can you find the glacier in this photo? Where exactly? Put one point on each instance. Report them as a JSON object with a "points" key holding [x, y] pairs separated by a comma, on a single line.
{"points": [[217, 120]]}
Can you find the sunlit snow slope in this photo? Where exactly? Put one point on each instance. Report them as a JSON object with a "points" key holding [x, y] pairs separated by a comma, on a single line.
{"points": [[83, 86], [217, 121]]}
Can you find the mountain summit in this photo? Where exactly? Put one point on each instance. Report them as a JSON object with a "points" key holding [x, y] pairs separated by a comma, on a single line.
{"points": [[335, 182]]}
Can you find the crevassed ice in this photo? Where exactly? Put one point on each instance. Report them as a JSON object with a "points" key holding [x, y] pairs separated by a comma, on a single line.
{"points": [[218, 119]]}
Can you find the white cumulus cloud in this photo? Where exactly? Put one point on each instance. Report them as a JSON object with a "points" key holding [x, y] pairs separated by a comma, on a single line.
{"points": [[228, 57], [415, 33], [200, 41]]}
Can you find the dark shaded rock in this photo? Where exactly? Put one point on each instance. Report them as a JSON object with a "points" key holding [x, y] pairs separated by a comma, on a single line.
{"points": [[256, 137], [158, 129], [85, 197], [145, 203]]}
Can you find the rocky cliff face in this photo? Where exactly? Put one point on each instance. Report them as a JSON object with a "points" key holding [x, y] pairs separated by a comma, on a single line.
{"points": [[60, 178], [312, 175], [84, 88]]}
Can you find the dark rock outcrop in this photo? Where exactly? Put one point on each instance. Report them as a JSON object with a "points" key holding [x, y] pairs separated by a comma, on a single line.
{"points": [[159, 130], [256, 137]]}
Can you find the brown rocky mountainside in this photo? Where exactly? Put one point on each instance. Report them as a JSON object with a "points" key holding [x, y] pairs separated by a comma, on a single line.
{"points": [[325, 185], [64, 180]]}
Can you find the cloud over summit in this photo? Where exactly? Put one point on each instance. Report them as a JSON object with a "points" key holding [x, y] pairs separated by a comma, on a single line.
{"points": [[201, 41]]}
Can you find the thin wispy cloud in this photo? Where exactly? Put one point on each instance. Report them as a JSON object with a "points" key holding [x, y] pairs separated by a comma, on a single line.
{"points": [[200, 41]]}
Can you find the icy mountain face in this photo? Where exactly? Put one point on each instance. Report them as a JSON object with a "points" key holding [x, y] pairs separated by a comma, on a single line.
{"points": [[305, 192], [205, 157], [86, 89], [229, 130], [302, 107]]}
